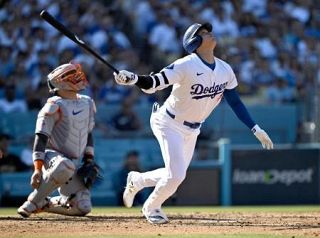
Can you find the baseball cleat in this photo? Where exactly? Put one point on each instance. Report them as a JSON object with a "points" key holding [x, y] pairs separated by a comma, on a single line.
{"points": [[155, 216], [131, 190], [28, 208]]}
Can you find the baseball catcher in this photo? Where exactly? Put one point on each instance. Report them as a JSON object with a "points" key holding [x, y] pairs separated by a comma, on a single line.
{"points": [[63, 151]]}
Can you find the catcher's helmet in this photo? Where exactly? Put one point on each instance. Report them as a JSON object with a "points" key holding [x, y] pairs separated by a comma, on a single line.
{"points": [[191, 39], [67, 77]]}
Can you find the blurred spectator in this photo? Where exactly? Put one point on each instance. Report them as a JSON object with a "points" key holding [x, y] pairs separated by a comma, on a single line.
{"points": [[7, 63], [36, 101], [10, 162], [163, 36], [126, 119], [224, 26], [131, 163], [268, 39], [262, 74], [112, 93], [123, 123], [254, 28], [10, 103], [202, 152], [280, 92], [26, 153]]}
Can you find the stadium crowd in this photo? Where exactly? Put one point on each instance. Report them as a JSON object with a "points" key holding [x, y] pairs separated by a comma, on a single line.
{"points": [[271, 44]]}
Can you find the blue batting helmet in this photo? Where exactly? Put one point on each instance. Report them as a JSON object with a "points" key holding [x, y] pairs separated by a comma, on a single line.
{"points": [[191, 40]]}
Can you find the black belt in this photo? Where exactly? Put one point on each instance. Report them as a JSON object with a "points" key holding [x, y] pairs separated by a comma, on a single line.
{"points": [[195, 125]]}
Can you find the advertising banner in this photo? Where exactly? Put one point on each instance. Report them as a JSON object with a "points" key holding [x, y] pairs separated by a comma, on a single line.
{"points": [[286, 176]]}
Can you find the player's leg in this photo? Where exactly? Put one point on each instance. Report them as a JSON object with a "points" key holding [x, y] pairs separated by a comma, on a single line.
{"points": [[180, 145], [151, 178], [136, 181], [173, 151], [58, 170], [189, 148], [74, 199]]}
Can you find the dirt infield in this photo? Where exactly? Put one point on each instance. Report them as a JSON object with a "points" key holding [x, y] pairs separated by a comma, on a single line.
{"points": [[295, 225]]}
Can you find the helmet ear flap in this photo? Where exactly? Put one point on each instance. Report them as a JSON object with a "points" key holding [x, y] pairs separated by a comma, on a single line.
{"points": [[198, 41], [193, 43]]}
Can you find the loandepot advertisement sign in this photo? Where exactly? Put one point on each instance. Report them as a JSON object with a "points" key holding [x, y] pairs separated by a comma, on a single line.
{"points": [[272, 176], [287, 176]]}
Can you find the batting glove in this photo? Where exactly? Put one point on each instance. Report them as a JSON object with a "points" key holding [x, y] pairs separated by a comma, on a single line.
{"points": [[125, 77], [263, 137]]}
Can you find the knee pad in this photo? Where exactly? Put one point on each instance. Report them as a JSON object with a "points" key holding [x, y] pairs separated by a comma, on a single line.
{"points": [[62, 172], [83, 202], [84, 207]]}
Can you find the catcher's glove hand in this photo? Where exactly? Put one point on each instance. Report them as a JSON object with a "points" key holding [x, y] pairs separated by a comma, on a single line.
{"points": [[90, 173]]}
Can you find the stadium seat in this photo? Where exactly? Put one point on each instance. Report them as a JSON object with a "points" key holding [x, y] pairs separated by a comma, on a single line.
{"points": [[279, 121], [15, 184], [103, 194], [18, 125]]}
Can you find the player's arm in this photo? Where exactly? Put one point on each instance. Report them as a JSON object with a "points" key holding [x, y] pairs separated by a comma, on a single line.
{"points": [[38, 154], [147, 83], [89, 171], [169, 75], [46, 120], [233, 99], [89, 150]]}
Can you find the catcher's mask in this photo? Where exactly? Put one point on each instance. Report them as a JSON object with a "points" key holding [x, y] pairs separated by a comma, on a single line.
{"points": [[67, 77]]}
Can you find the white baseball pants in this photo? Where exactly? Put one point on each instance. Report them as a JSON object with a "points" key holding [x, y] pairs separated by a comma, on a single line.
{"points": [[177, 143]]}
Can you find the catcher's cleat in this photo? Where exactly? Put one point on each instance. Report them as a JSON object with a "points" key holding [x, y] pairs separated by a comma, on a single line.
{"points": [[131, 189], [28, 208], [155, 216]]}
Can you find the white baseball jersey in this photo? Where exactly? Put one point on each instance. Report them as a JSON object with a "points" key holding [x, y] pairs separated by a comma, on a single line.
{"points": [[197, 89], [67, 123]]}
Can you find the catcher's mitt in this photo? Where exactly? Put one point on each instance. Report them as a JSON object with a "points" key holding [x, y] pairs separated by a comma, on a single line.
{"points": [[90, 173]]}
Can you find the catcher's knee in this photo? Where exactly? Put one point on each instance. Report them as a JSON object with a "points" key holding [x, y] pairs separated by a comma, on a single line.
{"points": [[63, 171], [83, 202], [84, 207]]}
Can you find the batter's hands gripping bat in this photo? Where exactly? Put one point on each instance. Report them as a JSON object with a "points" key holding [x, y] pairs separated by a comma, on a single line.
{"points": [[64, 30]]}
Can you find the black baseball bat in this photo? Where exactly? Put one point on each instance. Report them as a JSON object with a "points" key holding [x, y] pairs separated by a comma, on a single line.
{"points": [[64, 30]]}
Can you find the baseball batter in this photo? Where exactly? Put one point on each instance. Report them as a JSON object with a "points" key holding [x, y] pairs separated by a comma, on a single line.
{"points": [[199, 80], [62, 137]]}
